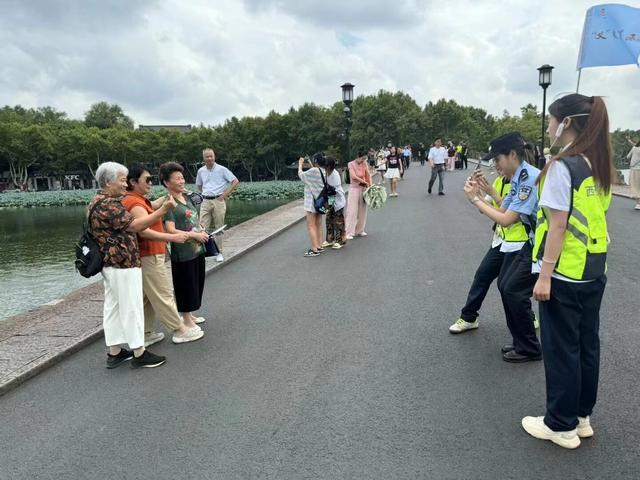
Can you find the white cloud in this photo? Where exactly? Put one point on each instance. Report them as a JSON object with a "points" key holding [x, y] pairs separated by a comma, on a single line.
{"points": [[202, 61]]}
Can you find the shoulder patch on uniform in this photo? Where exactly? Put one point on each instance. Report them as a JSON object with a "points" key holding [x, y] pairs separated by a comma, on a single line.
{"points": [[512, 192], [524, 192], [523, 175]]}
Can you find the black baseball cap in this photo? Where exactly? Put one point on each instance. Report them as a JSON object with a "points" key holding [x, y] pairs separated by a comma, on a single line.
{"points": [[504, 144]]}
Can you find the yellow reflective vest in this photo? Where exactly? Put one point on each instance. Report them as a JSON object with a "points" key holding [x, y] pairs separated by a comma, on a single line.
{"points": [[584, 250], [515, 232]]}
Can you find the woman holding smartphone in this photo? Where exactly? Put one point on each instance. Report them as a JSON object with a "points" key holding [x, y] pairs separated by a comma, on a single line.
{"points": [[570, 254]]}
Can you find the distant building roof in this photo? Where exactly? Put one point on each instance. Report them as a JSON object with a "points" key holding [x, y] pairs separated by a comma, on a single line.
{"points": [[155, 128]]}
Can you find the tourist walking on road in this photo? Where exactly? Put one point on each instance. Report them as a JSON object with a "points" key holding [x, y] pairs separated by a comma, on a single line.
{"points": [[437, 161], [381, 165], [216, 183], [395, 170], [570, 255], [156, 285], [313, 185], [516, 282], [634, 171], [406, 157], [187, 259], [335, 222], [356, 219], [114, 229], [451, 157]]}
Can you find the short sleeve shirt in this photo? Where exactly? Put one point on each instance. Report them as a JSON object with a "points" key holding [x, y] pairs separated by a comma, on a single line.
{"points": [[147, 247], [185, 217], [214, 182], [108, 223], [523, 196]]}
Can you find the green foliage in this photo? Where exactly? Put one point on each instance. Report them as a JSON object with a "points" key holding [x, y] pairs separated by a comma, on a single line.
{"points": [[104, 115], [244, 192], [255, 148]]}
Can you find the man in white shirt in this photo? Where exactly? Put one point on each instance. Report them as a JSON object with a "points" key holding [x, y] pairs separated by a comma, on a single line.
{"points": [[437, 161], [216, 183]]}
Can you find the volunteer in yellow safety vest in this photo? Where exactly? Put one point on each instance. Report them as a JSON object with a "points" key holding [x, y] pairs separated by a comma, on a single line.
{"points": [[516, 281], [505, 239], [570, 254]]}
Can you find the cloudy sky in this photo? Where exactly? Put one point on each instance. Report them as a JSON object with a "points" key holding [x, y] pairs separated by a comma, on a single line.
{"points": [[177, 61]]}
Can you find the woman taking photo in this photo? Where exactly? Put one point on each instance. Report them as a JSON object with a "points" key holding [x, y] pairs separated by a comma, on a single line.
{"points": [[515, 281], [313, 185], [394, 170], [187, 259], [570, 255]]}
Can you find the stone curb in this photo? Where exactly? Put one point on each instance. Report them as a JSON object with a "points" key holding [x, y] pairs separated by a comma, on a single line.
{"points": [[97, 333]]}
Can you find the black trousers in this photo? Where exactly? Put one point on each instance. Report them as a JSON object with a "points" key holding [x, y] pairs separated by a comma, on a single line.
{"points": [[463, 158], [188, 283], [487, 272], [569, 325], [516, 288]]}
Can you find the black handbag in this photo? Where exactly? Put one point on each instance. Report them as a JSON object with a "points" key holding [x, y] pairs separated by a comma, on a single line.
{"points": [[89, 260], [211, 247], [321, 204]]}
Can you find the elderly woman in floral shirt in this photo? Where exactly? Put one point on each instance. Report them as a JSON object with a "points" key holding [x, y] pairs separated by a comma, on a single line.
{"points": [[114, 228]]}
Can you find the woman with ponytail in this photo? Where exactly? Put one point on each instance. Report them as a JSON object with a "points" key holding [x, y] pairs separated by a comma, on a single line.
{"points": [[570, 256]]}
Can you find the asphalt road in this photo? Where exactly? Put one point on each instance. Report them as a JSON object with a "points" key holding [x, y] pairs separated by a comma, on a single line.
{"points": [[338, 367]]}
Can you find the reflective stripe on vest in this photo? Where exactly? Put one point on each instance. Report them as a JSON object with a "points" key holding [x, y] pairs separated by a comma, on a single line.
{"points": [[515, 232], [584, 250]]}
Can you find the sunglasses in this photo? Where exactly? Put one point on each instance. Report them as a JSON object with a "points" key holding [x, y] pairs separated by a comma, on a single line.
{"points": [[148, 180]]}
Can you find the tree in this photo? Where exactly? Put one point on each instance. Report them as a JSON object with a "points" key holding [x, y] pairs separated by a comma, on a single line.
{"points": [[104, 115]]}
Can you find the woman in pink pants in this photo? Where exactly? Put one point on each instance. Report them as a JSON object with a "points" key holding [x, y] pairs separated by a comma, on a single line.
{"points": [[356, 208]]}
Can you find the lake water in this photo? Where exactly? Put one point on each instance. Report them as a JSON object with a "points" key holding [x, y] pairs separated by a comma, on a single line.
{"points": [[37, 251]]}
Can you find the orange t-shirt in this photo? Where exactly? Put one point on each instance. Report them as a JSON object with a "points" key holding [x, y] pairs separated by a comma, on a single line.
{"points": [[147, 247]]}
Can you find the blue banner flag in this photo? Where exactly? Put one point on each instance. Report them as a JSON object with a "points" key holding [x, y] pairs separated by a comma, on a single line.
{"points": [[611, 36]]}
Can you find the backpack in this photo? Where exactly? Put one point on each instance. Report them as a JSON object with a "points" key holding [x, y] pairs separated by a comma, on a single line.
{"points": [[89, 260], [321, 204], [451, 152]]}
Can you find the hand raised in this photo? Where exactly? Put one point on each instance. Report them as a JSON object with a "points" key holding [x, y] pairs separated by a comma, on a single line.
{"points": [[170, 203]]}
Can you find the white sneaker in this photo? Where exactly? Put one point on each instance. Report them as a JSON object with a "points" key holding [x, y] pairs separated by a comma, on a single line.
{"points": [[199, 320], [536, 427], [584, 427], [153, 337], [219, 258], [462, 326], [349, 237], [192, 335], [363, 234], [326, 244]]}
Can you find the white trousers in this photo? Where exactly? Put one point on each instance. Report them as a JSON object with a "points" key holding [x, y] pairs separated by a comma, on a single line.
{"points": [[123, 317]]}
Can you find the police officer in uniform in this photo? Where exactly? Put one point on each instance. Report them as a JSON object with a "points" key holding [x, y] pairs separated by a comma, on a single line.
{"points": [[570, 254], [516, 281], [505, 240]]}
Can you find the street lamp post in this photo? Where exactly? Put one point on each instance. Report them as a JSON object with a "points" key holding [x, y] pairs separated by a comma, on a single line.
{"points": [[544, 80], [347, 99]]}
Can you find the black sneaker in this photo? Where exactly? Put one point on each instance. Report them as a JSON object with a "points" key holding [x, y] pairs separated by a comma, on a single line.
{"points": [[429, 190], [147, 360], [114, 361], [440, 193]]}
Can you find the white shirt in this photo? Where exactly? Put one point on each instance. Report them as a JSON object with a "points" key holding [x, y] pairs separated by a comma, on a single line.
{"points": [[335, 181], [438, 155], [214, 182], [634, 156], [556, 194]]}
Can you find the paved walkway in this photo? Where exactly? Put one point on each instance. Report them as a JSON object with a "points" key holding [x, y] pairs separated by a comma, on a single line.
{"points": [[33, 341], [337, 367]]}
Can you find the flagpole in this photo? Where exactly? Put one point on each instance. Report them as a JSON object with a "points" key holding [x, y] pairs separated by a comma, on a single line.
{"points": [[579, 75]]}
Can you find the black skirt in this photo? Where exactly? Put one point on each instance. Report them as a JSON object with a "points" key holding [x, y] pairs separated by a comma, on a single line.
{"points": [[188, 283]]}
